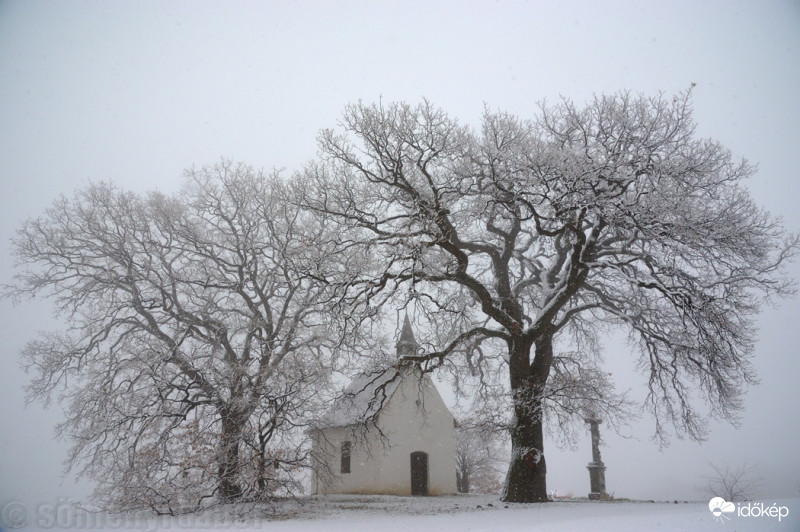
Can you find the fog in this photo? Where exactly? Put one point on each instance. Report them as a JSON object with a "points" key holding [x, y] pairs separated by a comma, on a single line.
{"points": [[136, 92]]}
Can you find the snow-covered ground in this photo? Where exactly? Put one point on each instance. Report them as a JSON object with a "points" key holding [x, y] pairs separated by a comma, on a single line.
{"points": [[343, 513]]}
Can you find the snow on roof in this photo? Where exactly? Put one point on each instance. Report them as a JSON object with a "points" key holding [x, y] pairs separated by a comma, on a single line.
{"points": [[363, 398], [371, 390]]}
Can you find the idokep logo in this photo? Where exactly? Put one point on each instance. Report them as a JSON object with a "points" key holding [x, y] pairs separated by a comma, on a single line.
{"points": [[719, 507]]}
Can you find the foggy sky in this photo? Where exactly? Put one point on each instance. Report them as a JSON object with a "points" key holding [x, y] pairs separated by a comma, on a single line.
{"points": [[136, 92]]}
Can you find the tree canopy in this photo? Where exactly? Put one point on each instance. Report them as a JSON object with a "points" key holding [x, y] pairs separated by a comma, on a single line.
{"points": [[196, 335]]}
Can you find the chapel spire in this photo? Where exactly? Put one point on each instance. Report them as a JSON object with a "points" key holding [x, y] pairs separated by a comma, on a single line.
{"points": [[406, 344]]}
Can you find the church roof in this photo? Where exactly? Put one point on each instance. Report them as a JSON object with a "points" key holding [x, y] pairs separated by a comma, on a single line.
{"points": [[363, 398]]}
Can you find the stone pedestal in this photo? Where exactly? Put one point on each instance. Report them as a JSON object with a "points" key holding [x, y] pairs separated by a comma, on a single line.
{"points": [[597, 481]]}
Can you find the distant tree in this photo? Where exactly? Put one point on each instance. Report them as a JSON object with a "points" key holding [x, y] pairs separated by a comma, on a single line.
{"points": [[479, 455], [733, 483], [527, 233], [196, 335]]}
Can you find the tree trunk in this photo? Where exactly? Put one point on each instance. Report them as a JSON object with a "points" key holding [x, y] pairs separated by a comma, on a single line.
{"points": [[526, 480], [261, 480], [462, 481], [229, 488], [264, 436], [527, 474]]}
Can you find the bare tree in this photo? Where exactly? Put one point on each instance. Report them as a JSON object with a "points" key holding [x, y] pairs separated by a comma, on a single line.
{"points": [[479, 456], [196, 338], [528, 233], [733, 483]]}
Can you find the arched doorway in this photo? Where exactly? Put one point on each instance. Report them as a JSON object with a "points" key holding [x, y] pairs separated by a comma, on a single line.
{"points": [[419, 473]]}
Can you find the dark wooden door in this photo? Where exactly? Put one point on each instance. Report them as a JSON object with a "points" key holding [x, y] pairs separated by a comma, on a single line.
{"points": [[419, 473]]}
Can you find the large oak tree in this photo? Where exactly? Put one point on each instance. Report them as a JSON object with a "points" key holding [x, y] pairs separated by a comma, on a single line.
{"points": [[524, 230]]}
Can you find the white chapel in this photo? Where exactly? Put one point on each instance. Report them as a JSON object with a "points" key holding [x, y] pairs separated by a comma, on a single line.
{"points": [[389, 433]]}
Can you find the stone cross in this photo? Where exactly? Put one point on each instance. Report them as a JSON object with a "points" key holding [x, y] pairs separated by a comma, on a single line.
{"points": [[597, 470]]}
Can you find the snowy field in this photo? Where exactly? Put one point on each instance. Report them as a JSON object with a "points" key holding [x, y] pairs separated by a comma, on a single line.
{"points": [[440, 514]]}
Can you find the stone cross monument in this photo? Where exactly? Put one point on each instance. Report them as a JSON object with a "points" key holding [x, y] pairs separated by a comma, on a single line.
{"points": [[597, 470]]}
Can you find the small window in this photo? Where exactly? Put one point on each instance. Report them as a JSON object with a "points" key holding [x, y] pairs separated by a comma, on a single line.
{"points": [[345, 457]]}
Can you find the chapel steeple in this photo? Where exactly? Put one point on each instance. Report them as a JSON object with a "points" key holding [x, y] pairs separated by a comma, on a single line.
{"points": [[406, 344]]}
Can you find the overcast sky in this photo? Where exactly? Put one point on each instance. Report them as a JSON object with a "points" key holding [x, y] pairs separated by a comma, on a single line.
{"points": [[135, 92]]}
